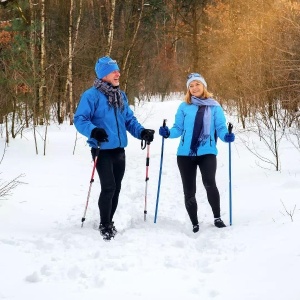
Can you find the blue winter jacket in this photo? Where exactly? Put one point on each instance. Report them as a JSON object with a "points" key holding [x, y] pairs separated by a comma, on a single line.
{"points": [[184, 125], [94, 111]]}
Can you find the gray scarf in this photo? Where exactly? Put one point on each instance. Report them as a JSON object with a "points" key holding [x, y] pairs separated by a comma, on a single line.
{"points": [[113, 93]]}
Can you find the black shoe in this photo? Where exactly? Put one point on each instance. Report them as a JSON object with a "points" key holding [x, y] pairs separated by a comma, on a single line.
{"points": [[196, 228], [114, 229], [106, 231], [219, 223]]}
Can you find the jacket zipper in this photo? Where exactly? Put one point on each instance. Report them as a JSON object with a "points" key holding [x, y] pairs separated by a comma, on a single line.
{"points": [[115, 111], [182, 140]]}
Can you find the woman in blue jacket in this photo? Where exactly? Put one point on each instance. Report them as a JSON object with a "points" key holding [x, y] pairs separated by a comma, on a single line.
{"points": [[199, 121], [104, 116]]}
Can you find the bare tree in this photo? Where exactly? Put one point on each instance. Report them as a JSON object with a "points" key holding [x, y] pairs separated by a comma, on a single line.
{"points": [[33, 52], [129, 47], [43, 88], [71, 51], [290, 213], [111, 27], [270, 130], [7, 187]]}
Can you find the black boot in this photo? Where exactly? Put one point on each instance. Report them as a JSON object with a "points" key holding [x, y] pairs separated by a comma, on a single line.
{"points": [[195, 228], [113, 228], [106, 231], [219, 223]]}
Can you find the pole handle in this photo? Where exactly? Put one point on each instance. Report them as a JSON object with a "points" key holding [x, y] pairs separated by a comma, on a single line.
{"points": [[230, 126], [144, 142]]}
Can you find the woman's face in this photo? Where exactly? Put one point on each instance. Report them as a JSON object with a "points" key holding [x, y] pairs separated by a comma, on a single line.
{"points": [[196, 88], [112, 78]]}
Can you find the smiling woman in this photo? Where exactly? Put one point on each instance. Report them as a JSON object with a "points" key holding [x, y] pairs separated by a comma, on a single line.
{"points": [[198, 122], [197, 87]]}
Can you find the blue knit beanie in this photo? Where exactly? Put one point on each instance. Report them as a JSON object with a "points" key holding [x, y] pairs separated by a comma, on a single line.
{"points": [[195, 76], [104, 66]]}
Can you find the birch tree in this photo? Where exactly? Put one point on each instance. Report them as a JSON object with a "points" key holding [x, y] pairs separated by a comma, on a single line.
{"points": [[43, 89], [111, 27], [132, 17], [32, 41], [71, 51]]}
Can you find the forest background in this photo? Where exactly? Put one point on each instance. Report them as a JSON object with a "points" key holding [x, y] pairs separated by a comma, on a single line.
{"points": [[248, 51]]}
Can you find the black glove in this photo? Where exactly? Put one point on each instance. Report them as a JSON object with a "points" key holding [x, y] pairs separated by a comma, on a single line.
{"points": [[147, 135], [99, 134]]}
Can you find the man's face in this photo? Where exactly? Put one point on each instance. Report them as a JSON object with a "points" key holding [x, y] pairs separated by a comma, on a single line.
{"points": [[112, 78]]}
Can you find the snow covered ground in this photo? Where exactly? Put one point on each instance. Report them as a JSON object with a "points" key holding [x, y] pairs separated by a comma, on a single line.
{"points": [[45, 254]]}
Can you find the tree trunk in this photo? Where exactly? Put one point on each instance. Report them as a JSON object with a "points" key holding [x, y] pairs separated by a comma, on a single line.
{"points": [[6, 130], [13, 118], [32, 41], [111, 28], [42, 89], [125, 66], [72, 45]]}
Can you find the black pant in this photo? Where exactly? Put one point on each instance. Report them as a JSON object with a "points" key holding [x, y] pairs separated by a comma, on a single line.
{"points": [[111, 168], [188, 169]]}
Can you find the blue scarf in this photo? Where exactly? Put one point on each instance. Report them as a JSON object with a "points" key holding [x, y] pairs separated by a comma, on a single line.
{"points": [[112, 92], [202, 124]]}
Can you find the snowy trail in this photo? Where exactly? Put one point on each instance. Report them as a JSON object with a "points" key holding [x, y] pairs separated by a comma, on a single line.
{"points": [[45, 254], [52, 247]]}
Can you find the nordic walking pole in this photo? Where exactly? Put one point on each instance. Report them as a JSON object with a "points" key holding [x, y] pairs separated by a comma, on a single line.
{"points": [[91, 182], [143, 146], [230, 126], [160, 170], [146, 179]]}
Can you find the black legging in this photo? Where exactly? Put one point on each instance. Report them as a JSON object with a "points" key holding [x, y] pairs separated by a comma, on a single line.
{"points": [[188, 169], [110, 167]]}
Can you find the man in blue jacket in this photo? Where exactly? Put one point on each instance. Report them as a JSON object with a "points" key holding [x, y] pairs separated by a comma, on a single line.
{"points": [[104, 116]]}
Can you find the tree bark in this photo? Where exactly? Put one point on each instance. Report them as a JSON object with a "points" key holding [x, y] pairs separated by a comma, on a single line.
{"points": [[42, 88], [71, 50], [125, 66], [111, 28]]}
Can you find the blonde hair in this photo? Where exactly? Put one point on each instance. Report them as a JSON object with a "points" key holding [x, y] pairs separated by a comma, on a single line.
{"points": [[188, 95]]}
